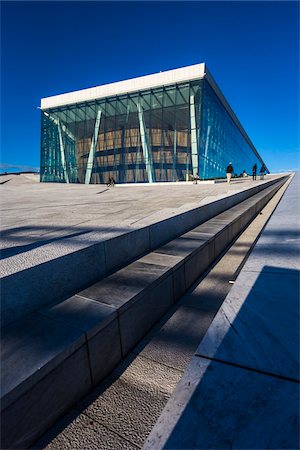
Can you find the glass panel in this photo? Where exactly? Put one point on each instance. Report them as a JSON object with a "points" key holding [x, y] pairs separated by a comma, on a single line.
{"points": [[221, 140]]}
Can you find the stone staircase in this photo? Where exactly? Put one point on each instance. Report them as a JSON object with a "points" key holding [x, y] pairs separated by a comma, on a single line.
{"points": [[57, 353]]}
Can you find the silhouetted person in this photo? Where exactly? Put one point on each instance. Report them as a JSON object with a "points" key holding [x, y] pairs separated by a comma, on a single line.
{"points": [[254, 170], [229, 172], [245, 173], [262, 171]]}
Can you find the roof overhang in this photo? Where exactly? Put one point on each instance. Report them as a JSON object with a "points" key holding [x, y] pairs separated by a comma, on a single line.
{"points": [[169, 77]]}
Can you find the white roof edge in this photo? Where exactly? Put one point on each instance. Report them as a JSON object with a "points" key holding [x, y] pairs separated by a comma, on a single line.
{"points": [[188, 73]]}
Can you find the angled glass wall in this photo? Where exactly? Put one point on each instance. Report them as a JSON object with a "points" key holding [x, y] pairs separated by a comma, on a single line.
{"points": [[163, 134], [221, 141], [142, 137]]}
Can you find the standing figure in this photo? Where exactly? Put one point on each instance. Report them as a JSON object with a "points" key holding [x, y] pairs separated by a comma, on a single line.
{"points": [[254, 170], [196, 178], [262, 171], [229, 172]]}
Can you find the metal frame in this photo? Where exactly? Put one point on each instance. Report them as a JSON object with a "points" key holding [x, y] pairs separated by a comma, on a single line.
{"points": [[206, 149], [144, 140], [90, 163], [194, 142], [62, 151]]}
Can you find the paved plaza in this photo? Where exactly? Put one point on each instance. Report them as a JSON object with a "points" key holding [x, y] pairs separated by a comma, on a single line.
{"points": [[59, 238], [37, 216]]}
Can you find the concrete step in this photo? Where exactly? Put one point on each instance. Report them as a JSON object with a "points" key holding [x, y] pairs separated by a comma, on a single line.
{"points": [[241, 388], [54, 356], [120, 411], [61, 266]]}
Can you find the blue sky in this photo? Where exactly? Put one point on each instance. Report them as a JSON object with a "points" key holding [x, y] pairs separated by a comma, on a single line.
{"points": [[251, 49]]}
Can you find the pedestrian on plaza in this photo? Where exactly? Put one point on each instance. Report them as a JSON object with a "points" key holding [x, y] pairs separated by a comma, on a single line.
{"points": [[229, 172], [196, 178], [262, 171], [254, 170]]}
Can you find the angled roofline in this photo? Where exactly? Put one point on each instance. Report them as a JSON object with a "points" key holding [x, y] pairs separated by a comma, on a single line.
{"points": [[169, 77]]}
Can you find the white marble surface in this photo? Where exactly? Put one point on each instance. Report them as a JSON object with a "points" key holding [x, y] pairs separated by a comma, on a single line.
{"points": [[258, 324], [217, 406]]}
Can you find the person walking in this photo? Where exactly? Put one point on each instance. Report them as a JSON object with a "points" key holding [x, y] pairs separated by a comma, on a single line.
{"points": [[254, 170], [262, 171], [229, 172], [196, 178]]}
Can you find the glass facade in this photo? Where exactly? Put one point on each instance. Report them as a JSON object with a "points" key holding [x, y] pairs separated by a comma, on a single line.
{"points": [[221, 141], [162, 134]]}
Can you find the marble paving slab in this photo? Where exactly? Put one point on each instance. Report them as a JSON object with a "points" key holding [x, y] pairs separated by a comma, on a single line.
{"points": [[218, 406], [275, 257], [258, 324]]}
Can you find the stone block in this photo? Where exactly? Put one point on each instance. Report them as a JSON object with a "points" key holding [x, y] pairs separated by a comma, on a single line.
{"points": [[197, 264], [246, 218], [213, 227], [235, 228], [203, 240], [125, 248], [86, 315], [25, 420], [176, 265], [162, 259], [105, 351], [31, 349], [172, 227], [221, 241], [127, 285], [144, 313], [28, 290], [181, 247], [179, 283], [100, 324]]}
